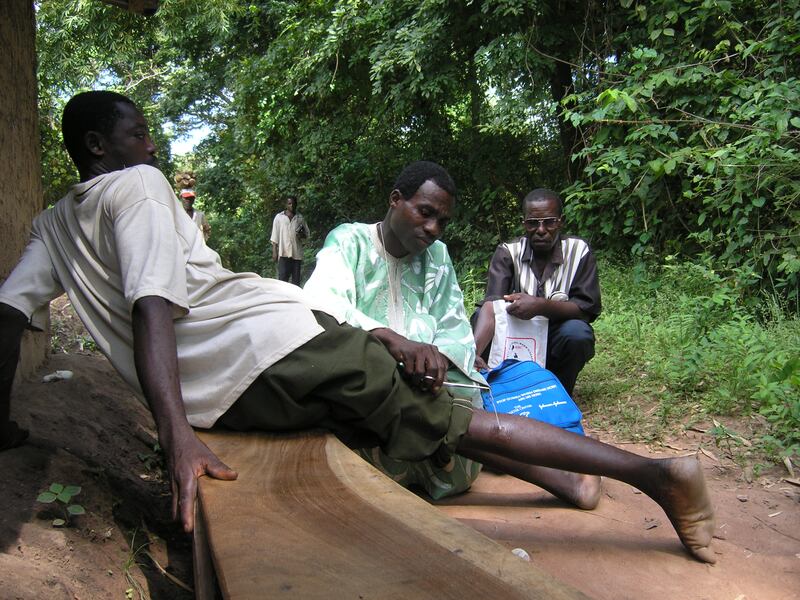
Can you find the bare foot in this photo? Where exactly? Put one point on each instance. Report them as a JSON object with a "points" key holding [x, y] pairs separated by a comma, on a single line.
{"points": [[582, 491], [587, 491], [681, 492]]}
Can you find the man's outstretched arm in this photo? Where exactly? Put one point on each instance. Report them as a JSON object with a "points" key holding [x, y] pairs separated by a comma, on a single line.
{"points": [[156, 357], [12, 324]]}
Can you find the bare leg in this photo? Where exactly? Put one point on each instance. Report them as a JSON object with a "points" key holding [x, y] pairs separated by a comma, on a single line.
{"points": [[676, 484], [577, 489]]}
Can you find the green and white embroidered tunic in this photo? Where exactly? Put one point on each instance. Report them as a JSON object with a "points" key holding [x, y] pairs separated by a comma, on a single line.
{"points": [[360, 283], [416, 296]]}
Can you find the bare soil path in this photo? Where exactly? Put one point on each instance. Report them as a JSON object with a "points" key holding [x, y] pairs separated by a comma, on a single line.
{"points": [[91, 431], [626, 547]]}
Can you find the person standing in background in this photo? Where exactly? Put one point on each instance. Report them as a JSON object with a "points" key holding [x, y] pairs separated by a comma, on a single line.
{"points": [[289, 229], [198, 217]]}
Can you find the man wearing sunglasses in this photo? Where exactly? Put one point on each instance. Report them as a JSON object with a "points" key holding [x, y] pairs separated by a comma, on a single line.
{"points": [[553, 275]]}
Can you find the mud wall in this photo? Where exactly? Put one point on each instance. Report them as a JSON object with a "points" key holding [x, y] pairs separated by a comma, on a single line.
{"points": [[20, 169]]}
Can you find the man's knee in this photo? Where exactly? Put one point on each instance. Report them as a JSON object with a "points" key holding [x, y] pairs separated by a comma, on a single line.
{"points": [[577, 330], [574, 336]]}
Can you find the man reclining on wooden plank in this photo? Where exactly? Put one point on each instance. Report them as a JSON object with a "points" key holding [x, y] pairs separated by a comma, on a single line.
{"points": [[395, 279], [206, 346]]}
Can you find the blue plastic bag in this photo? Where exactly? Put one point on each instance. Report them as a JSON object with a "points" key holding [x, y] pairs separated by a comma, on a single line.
{"points": [[526, 389]]}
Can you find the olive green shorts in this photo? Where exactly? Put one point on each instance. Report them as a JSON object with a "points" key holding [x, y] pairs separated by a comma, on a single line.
{"points": [[346, 381], [437, 480]]}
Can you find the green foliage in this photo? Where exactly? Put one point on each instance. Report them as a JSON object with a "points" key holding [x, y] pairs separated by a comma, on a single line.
{"points": [[327, 100], [680, 113], [680, 335], [84, 44], [473, 286], [62, 495], [694, 140], [778, 394]]}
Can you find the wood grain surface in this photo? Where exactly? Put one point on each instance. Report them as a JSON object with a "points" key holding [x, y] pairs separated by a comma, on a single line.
{"points": [[309, 519]]}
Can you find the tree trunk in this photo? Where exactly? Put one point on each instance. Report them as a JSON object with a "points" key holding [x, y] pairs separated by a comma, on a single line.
{"points": [[571, 139], [20, 169]]}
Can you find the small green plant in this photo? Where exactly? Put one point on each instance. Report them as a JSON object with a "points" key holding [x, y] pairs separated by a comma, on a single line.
{"points": [[62, 495], [131, 562], [86, 344], [473, 287], [723, 436], [152, 461]]}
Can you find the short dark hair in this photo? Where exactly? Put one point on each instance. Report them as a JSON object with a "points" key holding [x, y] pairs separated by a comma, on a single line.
{"points": [[89, 111], [417, 173], [540, 194]]}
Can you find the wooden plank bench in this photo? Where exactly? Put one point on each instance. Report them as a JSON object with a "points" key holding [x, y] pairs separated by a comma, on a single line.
{"points": [[309, 519]]}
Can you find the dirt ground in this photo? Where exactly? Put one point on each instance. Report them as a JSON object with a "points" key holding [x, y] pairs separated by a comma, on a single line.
{"points": [[91, 431], [626, 547]]}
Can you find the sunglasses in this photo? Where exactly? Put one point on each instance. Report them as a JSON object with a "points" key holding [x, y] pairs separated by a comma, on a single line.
{"points": [[547, 222]]}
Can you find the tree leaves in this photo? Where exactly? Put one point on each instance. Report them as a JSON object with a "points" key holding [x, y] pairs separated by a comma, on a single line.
{"points": [[681, 115], [709, 122]]}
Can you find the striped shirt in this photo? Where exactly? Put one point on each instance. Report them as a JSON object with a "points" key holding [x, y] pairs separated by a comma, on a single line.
{"points": [[571, 270]]}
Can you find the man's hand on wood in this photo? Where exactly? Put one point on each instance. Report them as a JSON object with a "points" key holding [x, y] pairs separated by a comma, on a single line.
{"points": [[188, 459], [156, 357]]}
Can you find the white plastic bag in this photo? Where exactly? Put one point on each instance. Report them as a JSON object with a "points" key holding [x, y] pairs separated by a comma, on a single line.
{"points": [[517, 338]]}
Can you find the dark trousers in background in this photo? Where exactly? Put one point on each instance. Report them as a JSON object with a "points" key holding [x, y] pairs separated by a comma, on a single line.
{"points": [[289, 269], [570, 345]]}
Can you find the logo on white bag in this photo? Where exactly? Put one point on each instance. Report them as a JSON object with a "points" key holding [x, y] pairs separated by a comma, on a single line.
{"points": [[520, 349]]}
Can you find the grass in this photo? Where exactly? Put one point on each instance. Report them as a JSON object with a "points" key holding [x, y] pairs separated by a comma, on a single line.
{"points": [[678, 345], [67, 334]]}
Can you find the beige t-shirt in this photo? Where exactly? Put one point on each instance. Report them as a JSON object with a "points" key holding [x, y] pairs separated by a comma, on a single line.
{"points": [[199, 218], [124, 235], [284, 234]]}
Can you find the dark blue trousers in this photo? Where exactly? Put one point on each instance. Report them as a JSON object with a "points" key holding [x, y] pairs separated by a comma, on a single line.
{"points": [[289, 269], [570, 345]]}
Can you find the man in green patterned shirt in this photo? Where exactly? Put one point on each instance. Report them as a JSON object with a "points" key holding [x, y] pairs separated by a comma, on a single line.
{"points": [[395, 279]]}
